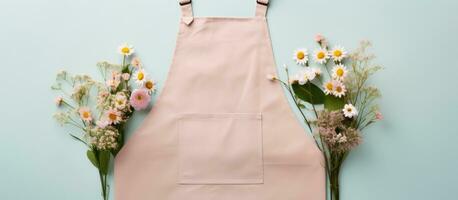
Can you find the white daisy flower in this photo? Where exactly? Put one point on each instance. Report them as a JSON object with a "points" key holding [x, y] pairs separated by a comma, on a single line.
{"points": [[339, 89], [339, 72], [140, 77], [328, 87], [338, 53], [294, 79], [120, 100], [126, 49], [349, 110], [301, 56], [306, 75], [310, 74], [321, 56], [317, 71], [150, 85], [85, 114], [301, 78], [113, 116]]}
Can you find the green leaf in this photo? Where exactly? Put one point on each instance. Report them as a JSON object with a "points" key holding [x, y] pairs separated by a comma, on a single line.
{"points": [[302, 106], [309, 92], [125, 69], [77, 138], [93, 158], [333, 103], [104, 160]]}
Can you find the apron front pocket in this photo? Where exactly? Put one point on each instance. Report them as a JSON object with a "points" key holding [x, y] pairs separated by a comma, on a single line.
{"points": [[220, 148]]}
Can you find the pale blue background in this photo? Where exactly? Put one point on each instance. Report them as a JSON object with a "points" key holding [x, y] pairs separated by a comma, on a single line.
{"points": [[412, 154]]}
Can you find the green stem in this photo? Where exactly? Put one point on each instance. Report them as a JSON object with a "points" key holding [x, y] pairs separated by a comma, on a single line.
{"points": [[303, 115], [103, 185]]}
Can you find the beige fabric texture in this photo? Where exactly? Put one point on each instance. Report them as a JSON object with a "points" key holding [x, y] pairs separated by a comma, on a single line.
{"points": [[220, 130]]}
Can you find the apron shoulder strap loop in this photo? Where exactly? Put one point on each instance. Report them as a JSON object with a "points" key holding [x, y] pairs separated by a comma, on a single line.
{"points": [[261, 7], [186, 11]]}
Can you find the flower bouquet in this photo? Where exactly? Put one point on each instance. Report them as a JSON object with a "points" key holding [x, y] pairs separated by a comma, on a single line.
{"points": [[100, 110], [336, 105]]}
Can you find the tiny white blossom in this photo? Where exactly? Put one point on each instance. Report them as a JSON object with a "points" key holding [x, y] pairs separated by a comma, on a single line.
{"points": [[349, 110]]}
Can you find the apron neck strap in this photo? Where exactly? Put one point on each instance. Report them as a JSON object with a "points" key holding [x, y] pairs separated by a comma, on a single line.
{"points": [[186, 11], [261, 8]]}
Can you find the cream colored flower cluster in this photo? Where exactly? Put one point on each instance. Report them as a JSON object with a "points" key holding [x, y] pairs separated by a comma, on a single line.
{"points": [[104, 139], [338, 137], [100, 109]]}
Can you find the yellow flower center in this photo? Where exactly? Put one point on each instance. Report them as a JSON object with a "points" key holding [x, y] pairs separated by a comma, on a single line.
{"points": [[320, 55], [140, 76], [149, 85], [349, 109], [300, 55], [338, 89], [125, 50], [139, 97], [329, 86], [86, 114], [337, 53], [340, 72], [112, 116]]}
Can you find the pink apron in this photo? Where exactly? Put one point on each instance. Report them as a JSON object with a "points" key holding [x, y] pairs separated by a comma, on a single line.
{"points": [[220, 130]]}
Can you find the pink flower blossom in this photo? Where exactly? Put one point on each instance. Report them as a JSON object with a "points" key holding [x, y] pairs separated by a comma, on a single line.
{"points": [[136, 62], [85, 114], [126, 76], [59, 100], [378, 115], [113, 116], [319, 38], [324, 43], [115, 80], [140, 99], [102, 123]]}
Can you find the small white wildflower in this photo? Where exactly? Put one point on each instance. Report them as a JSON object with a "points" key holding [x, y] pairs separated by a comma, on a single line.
{"points": [[140, 77], [301, 56], [317, 71], [321, 56], [342, 139], [339, 72], [338, 53], [61, 117], [120, 100], [349, 111], [126, 49], [339, 89], [85, 114]]}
